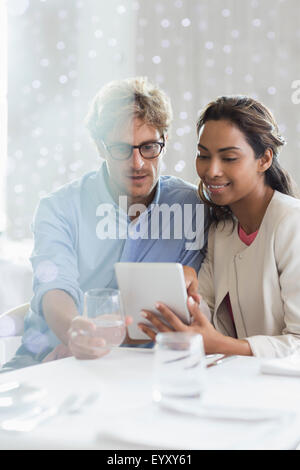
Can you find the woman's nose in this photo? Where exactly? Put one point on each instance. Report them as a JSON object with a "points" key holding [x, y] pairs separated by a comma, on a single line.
{"points": [[214, 168]]}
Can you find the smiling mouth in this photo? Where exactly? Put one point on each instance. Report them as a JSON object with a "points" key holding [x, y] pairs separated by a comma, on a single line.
{"points": [[216, 188]]}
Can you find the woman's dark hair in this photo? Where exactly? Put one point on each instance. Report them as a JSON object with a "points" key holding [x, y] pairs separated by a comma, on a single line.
{"points": [[261, 131]]}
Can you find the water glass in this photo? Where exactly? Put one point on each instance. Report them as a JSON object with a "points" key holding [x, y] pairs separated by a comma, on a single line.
{"points": [[179, 366], [103, 307]]}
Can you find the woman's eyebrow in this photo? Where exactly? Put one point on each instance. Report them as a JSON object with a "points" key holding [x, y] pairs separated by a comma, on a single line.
{"points": [[228, 148], [221, 149], [202, 146]]}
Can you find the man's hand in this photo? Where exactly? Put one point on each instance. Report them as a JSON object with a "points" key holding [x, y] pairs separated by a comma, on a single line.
{"points": [[82, 342], [60, 352]]}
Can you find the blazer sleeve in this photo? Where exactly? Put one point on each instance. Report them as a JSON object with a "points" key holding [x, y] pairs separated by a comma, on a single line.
{"points": [[287, 255], [206, 276]]}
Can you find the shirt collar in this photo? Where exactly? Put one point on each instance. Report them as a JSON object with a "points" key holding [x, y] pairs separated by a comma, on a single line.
{"points": [[104, 195], [156, 198]]}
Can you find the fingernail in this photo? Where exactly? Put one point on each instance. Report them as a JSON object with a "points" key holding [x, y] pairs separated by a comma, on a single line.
{"points": [[144, 314], [191, 301], [157, 305]]}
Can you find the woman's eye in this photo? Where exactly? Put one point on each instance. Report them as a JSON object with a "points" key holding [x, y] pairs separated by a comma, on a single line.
{"points": [[229, 159]]}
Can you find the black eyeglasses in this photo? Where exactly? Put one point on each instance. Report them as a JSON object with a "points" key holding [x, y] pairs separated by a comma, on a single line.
{"points": [[123, 151]]}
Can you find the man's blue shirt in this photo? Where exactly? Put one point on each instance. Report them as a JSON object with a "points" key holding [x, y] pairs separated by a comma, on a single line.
{"points": [[80, 233]]}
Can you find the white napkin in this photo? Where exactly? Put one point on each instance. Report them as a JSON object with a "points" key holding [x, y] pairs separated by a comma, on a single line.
{"points": [[289, 365], [219, 412], [151, 426]]}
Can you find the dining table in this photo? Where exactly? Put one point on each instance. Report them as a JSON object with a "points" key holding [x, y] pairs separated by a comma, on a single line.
{"points": [[241, 407]]}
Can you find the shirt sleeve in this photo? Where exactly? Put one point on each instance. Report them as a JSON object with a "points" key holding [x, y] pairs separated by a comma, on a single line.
{"points": [[286, 246], [54, 258]]}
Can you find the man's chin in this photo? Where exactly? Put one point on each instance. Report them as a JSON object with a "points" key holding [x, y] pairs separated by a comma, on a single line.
{"points": [[138, 198], [140, 195]]}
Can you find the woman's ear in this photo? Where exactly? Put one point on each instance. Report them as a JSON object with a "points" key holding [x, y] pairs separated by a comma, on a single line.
{"points": [[265, 161]]}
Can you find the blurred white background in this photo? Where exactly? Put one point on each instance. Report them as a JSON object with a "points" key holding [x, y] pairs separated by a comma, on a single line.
{"points": [[60, 52]]}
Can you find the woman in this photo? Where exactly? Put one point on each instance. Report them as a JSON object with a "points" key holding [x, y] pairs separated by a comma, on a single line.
{"points": [[251, 275]]}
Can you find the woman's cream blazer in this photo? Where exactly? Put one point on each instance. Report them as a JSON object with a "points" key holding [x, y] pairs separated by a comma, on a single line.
{"points": [[263, 280]]}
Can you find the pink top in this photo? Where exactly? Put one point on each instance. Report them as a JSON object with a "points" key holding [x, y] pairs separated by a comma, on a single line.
{"points": [[247, 239]]}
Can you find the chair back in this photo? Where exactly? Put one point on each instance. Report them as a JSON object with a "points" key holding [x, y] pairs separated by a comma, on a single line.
{"points": [[17, 315]]}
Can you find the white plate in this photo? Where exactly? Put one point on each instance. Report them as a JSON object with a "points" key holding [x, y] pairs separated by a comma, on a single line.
{"points": [[18, 397]]}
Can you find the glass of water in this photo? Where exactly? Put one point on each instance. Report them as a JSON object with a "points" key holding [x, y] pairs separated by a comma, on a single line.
{"points": [[179, 366], [103, 307]]}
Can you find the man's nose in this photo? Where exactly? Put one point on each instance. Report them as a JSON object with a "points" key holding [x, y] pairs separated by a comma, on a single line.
{"points": [[137, 160]]}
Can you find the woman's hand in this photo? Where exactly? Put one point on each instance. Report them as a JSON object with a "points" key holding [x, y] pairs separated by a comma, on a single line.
{"points": [[200, 324], [191, 284], [213, 340]]}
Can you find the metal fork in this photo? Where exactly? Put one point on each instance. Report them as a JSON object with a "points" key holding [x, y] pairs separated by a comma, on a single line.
{"points": [[28, 422], [82, 403], [222, 359]]}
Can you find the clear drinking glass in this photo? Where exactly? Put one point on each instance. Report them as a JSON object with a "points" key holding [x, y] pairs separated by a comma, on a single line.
{"points": [[103, 307], [179, 366]]}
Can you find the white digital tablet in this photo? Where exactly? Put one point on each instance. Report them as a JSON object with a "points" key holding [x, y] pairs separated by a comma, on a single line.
{"points": [[141, 285]]}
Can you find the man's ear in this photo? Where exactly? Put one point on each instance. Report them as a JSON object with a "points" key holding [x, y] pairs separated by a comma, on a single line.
{"points": [[265, 161], [101, 149], [166, 142]]}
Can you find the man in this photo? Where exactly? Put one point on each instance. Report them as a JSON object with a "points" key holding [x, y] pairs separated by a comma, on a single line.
{"points": [[114, 214]]}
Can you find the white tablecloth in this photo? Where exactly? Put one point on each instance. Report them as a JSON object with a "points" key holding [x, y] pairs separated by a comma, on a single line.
{"points": [[125, 418]]}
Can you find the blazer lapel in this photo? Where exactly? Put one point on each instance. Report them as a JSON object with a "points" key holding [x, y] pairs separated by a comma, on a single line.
{"points": [[227, 246]]}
